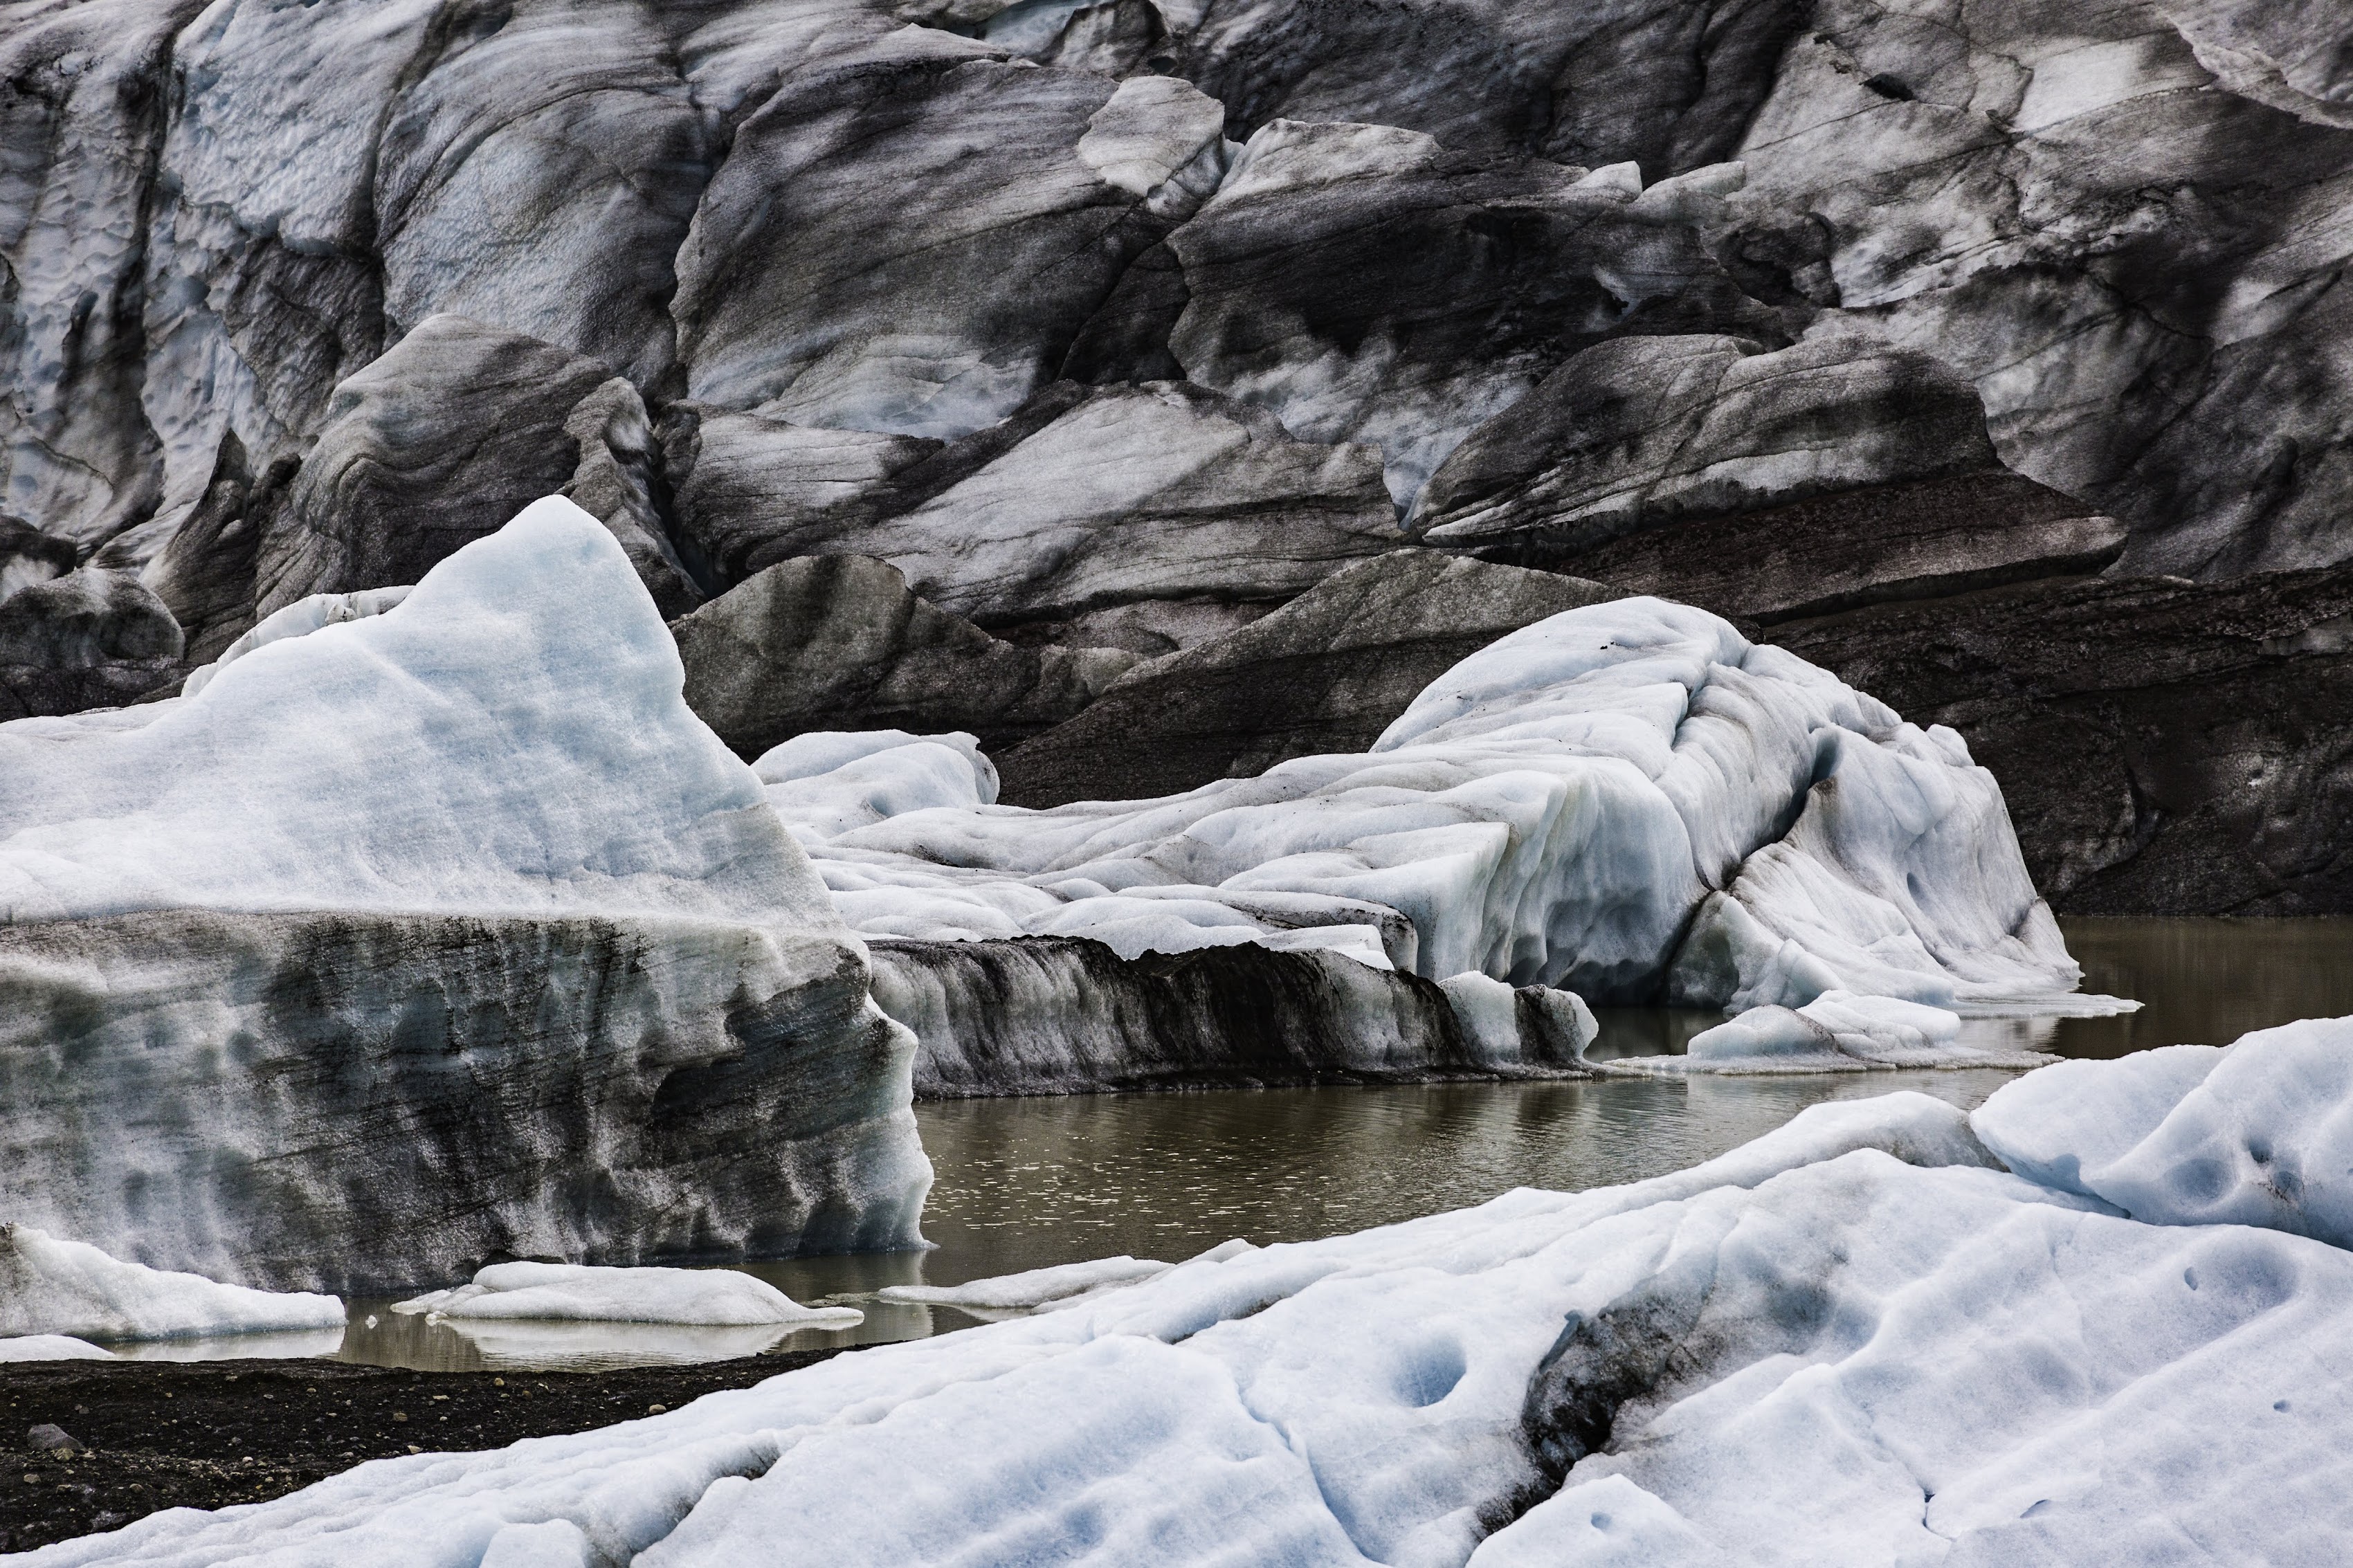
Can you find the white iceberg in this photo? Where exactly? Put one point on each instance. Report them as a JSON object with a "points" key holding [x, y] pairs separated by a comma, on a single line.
{"points": [[50, 1347], [2259, 1132], [50, 1286], [1623, 797], [508, 738], [706, 1297], [1853, 1341]]}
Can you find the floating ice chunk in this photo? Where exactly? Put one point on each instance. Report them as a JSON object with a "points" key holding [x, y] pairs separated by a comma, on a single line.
{"points": [[50, 1347], [1866, 1026], [1523, 1026], [2260, 1132], [710, 1298], [49, 1285], [1836, 1032], [1052, 1290], [1034, 1287]]}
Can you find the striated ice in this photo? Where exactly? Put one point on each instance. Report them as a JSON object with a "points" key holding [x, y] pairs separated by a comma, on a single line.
{"points": [[53, 1287], [707, 1297], [422, 937]]}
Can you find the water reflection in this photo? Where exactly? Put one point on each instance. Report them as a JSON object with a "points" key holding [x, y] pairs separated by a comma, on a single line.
{"points": [[2205, 982], [1023, 1183], [234, 1347], [377, 1336]]}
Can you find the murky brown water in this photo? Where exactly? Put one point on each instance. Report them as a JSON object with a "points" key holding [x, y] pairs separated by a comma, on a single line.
{"points": [[1023, 1184]]}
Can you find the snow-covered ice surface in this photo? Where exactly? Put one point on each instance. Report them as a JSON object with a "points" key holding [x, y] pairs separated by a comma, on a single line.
{"points": [[50, 1347], [1556, 809], [1852, 1341], [53, 1287], [2259, 1132], [708, 1298]]}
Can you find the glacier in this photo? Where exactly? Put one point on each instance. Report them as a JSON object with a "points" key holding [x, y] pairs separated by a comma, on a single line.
{"points": [[1854, 1340], [429, 931]]}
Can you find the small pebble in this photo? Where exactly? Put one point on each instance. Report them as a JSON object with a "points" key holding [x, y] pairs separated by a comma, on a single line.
{"points": [[655, 1409]]}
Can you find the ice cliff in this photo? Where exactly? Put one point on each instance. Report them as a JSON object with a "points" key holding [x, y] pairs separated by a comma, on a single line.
{"points": [[1856, 1340], [429, 936]]}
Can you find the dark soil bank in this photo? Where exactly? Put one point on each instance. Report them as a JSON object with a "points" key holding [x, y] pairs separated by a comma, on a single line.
{"points": [[209, 1434]]}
